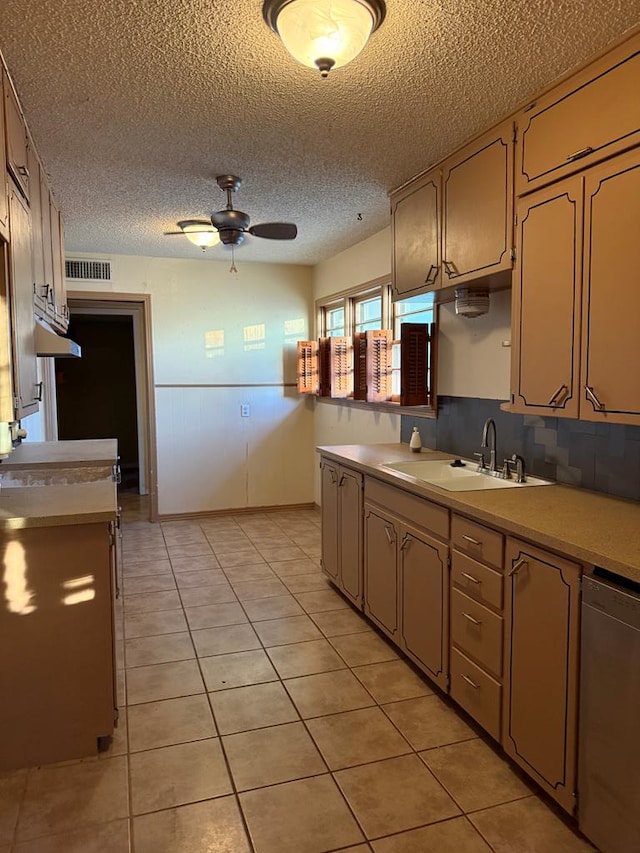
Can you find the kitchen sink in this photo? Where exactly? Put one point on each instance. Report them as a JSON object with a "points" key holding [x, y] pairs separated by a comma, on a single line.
{"points": [[460, 478]]}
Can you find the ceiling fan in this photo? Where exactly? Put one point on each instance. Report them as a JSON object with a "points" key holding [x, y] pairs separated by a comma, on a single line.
{"points": [[232, 225]]}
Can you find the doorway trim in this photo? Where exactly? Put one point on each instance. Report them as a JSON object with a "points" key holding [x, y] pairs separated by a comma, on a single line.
{"points": [[139, 306]]}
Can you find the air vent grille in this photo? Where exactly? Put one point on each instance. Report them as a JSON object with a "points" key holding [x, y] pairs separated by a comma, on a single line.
{"points": [[88, 270]]}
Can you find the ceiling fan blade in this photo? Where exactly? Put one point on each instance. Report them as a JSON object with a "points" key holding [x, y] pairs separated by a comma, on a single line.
{"points": [[275, 230], [182, 233]]}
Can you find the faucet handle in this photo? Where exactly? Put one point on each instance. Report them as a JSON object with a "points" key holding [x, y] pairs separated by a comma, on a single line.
{"points": [[481, 465], [506, 470], [520, 469]]}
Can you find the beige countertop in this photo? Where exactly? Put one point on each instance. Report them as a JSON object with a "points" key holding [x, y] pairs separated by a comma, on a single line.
{"points": [[588, 526], [54, 506], [62, 454]]}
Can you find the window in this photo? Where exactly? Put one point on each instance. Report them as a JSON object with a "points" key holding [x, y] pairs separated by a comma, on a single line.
{"points": [[371, 325], [333, 318], [370, 307]]}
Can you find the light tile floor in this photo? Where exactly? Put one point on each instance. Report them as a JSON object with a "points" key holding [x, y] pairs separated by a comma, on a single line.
{"points": [[262, 714]]}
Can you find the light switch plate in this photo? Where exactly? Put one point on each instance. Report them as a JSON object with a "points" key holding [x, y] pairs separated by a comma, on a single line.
{"points": [[245, 410]]}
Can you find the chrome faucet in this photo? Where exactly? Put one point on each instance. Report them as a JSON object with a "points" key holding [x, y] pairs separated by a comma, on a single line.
{"points": [[490, 441]]}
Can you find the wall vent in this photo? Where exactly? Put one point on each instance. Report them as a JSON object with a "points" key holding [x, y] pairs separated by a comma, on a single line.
{"points": [[82, 270]]}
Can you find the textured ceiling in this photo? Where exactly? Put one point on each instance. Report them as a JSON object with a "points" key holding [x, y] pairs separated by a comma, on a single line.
{"points": [[136, 105]]}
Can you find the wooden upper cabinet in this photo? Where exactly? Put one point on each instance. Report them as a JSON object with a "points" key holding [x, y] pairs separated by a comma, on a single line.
{"points": [[4, 191], [477, 225], [542, 634], [25, 369], [415, 234], [58, 297], [16, 133], [38, 247], [593, 115], [546, 301], [610, 380]]}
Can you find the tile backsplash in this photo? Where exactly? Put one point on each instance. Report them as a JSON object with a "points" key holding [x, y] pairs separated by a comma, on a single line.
{"points": [[602, 457]]}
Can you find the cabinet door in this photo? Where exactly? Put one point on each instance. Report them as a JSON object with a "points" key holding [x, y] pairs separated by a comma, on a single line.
{"points": [[424, 603], [37, 245], [593, 115], [45, 224], [330, 510], [381, 570], [610, 342], [477, 186], [25, 367], [546, 301], [415, 233], [541, 667], [350, 535], [59, 295], [4, 192], [16, 139]]}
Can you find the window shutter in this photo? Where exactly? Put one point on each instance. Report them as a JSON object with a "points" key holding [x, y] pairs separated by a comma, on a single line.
{"points": [[378, 365], [415, 344], [307, 368], [360, 366], [336, 367]]}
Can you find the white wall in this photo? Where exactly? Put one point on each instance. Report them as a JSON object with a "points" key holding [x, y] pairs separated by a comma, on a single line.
{"points": [[235, 335]]}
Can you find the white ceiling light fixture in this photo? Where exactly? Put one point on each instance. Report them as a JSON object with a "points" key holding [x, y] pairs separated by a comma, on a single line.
{"points": [[199, 232], [324, 34]]}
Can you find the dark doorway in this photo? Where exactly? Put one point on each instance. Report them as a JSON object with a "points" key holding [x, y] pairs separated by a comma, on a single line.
{"points": [[96, 394]]}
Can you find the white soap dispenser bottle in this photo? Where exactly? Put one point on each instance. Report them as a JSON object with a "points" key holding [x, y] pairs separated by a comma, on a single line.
{"points": [[416, 442]]}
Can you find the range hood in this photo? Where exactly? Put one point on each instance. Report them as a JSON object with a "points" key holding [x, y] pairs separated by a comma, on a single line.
{"points": [[49, 343]]}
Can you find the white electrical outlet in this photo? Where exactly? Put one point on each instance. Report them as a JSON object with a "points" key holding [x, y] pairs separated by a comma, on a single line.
{"points": [[245, 410]]}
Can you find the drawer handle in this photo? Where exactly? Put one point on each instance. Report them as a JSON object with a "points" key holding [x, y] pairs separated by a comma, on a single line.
{"points": [[333, 475], [23, 172], [341, 480], [406, 539], [450, 268], [555, 399], [471, 539], [390, 538], [581, 153], [469, 681], [470, 578], [516, 568], [432, 274], [471, 619], [597, 405]]}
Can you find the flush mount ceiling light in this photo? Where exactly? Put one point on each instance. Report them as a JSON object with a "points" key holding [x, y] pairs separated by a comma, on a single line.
{"points": [[324, 34], [199, 232]]}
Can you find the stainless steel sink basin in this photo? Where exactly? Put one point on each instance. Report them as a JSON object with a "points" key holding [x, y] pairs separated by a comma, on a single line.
{"points": [[466, 478]]}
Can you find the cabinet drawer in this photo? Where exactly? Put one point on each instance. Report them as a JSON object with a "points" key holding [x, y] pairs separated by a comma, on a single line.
{"points": [[476, 692], [476, 580], [477, 631], [593, 115], [480, 542], [424, 513]]}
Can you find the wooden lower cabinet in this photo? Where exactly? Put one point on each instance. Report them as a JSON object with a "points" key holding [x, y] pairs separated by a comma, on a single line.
{"points": [[57, 652], [342, 528], [424, 602], [542, 600], [381, 534]]}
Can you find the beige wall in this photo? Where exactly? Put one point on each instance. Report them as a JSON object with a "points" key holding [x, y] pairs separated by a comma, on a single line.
{"points": [[209, 457], [472, 360]]}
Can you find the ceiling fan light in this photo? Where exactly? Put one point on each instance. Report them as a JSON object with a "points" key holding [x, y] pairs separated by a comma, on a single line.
{"points": [[324, 34], [199, 232]]}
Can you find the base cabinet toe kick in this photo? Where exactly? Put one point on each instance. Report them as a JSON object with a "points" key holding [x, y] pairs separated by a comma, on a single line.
{"points": [[492, 619]]}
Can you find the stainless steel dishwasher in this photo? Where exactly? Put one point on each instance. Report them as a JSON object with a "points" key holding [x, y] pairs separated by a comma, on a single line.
{"points": [[609, 750]]}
